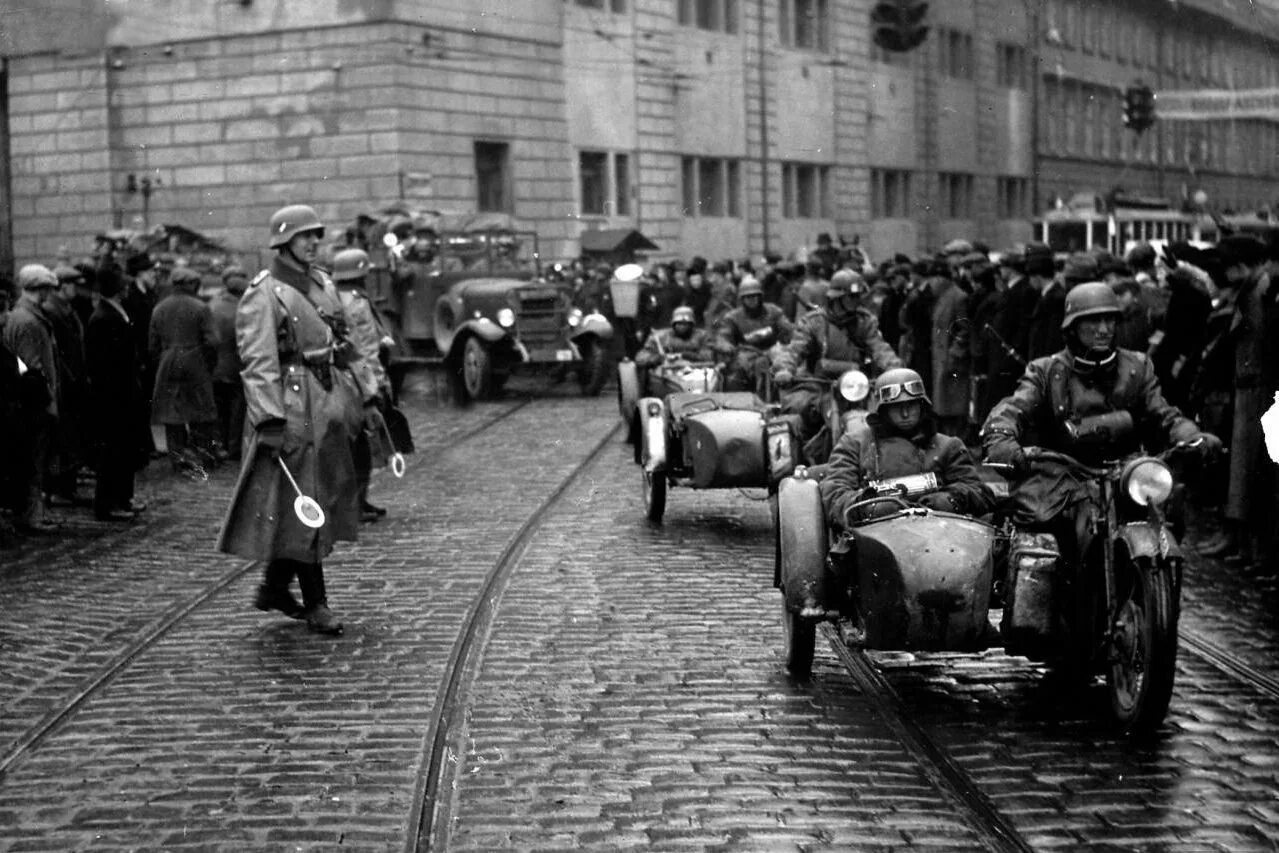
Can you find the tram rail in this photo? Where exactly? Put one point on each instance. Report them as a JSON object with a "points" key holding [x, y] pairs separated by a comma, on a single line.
{"points": [[159, 627], [428, 821]]}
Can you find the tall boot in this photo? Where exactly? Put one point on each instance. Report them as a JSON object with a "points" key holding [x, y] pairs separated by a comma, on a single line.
{"points": [[318, 616], [273, 592]]}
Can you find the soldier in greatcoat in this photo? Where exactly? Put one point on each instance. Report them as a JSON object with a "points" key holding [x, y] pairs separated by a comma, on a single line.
{"points": [[184, 351], [304, 407], [350, 270]]}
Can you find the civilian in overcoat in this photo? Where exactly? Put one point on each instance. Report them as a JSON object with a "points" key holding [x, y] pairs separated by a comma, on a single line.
{"points": [[182, 346], [114, 372]]}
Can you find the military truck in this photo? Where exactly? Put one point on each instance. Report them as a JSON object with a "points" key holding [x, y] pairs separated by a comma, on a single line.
{"points": [[467, 291]]}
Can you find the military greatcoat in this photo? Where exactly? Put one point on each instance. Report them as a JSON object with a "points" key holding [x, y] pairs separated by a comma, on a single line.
{"points": [[183, 348], [293, 373]]}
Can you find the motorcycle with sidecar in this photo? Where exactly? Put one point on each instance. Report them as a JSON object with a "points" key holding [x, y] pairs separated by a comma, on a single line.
{"points": [[844, 405], [902, 577], [700, 437]]}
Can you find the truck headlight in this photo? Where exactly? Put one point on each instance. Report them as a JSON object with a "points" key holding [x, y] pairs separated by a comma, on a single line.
{"points": [[854, 386], [1147, 481], [505, 318], [575, 317]]}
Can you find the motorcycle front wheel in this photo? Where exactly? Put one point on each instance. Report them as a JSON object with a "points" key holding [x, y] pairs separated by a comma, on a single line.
{"points": [[1143, 649]]}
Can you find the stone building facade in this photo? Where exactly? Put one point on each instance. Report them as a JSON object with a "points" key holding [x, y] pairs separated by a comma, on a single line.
{"points": [[716, 127]]}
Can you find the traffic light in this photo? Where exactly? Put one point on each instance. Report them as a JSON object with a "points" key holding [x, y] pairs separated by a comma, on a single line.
{"points": [[1139, 107], [898, 25]]}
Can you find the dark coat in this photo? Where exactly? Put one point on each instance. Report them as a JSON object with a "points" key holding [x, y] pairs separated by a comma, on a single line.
{"points": [[1051, 398], [182, 346], [114, 373], [222, 308], [824, 349], [1045, 335], [285, 344], [951, 357], [28, 334], [916, 322], [1185, 335]]}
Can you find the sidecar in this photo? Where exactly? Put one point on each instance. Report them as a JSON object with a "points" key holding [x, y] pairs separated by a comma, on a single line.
{"points": [[912, 579], [710, 440]]}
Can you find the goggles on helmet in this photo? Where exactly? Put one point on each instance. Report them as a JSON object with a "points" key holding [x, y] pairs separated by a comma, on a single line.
{"points": [[891, 393]]}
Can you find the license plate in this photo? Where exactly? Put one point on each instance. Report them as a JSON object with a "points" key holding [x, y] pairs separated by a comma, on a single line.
{"points": [[563, 355]]}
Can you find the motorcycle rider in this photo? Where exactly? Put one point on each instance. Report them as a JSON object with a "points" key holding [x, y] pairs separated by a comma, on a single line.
{"points": [[1090, 400], [745, 333], [683, 341], [826, 343], [900, 439]]}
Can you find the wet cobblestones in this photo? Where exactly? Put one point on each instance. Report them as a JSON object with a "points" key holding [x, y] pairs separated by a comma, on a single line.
{"points": [[630, 694]]}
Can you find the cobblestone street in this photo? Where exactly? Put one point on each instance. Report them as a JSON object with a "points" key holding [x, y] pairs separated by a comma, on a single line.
{"points": [[627, 693]]}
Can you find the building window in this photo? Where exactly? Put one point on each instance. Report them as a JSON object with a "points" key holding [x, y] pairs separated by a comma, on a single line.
{"points": [[955, 53], [805, 24], [717, 15], [1011, 66], [493, 177], [956, 200], [711, 187], [889, 194], [592, 171], [804, 191], [622, 184], [1013, 197], [611, 5], [604, 181]]}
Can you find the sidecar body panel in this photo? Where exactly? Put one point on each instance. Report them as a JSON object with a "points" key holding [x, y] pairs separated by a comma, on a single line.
{"points": [[924, 580], [652, 434], [725, 449], [801, 551]]}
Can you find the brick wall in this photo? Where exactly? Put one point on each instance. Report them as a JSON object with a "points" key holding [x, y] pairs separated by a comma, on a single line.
{"points": [[58, 128]]}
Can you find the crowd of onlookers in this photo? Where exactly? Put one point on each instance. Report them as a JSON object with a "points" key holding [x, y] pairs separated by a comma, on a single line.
{"points": [[968, 320], [106, 364]]}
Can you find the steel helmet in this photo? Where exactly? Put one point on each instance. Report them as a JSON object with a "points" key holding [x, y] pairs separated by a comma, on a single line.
{"points": [[750, 286], [350, 264], [899, 385], [845, 281], [1089, 299], [288, 222], [683, 314]]}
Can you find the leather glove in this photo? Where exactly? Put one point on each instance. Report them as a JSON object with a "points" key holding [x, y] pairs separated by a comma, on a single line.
{"points": [[270, 435], [1209, 445], [373, 420], [940, 501], [784, 378], [831, 368]]}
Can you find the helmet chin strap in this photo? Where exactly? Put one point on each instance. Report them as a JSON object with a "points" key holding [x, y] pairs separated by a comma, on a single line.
{"points": [[288, 250]]}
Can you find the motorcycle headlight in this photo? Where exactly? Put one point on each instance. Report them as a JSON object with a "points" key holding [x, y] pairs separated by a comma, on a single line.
{"points": [[505, 318], [1147, 481], [854, 386], [575, 317]]}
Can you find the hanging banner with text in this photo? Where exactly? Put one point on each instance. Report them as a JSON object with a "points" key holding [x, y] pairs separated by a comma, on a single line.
{"points": [[1217, 104]]}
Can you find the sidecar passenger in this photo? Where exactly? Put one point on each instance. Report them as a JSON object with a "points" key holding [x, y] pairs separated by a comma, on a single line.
{"points": [[900, 440]]}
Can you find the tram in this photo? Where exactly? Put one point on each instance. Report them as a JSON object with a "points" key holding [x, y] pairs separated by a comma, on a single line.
{"points": [[1117, 222], [1088, 222]]}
